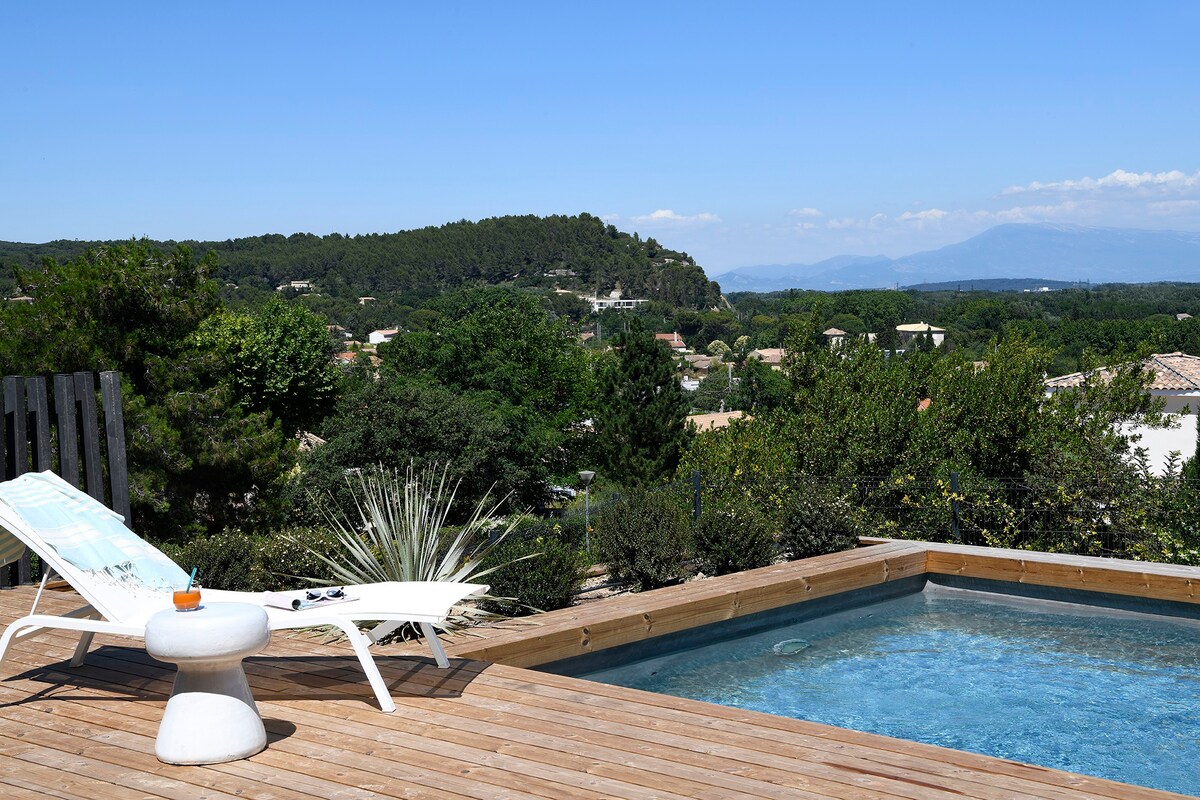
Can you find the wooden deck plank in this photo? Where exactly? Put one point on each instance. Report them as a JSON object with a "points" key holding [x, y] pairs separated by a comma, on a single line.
{"points": [[140, 663]]}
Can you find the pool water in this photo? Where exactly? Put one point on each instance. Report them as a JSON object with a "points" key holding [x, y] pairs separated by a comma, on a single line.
{"points": [[1100, 692]]}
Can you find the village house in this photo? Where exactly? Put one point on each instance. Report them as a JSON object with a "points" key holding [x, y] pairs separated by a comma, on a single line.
{"points": [[381, 336], [771, 356], [672, 340], [715, 421], [699, 363], [909, 333], [1177, 382], [613, 301]]}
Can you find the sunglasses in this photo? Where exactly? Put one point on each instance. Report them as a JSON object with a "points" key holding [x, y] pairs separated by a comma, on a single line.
{"points": [[322, 594]]}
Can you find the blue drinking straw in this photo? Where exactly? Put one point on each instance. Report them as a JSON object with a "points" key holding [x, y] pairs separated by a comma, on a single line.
{"points": [[191, 579]]}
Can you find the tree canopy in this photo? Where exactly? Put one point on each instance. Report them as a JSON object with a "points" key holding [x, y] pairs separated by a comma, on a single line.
{"points": [[639, 421], [199, 458]]}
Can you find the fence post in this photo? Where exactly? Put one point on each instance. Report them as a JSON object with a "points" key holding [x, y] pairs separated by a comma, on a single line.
{"points": [[696, 494], [954, 526]]}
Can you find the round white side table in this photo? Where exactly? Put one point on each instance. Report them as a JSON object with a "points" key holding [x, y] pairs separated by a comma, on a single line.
{"points": [[211, 716]]}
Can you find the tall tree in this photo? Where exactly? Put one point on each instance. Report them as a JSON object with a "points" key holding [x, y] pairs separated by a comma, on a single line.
{"points": [[520, 383], [639, 423], [276, 359], [197, 459]]}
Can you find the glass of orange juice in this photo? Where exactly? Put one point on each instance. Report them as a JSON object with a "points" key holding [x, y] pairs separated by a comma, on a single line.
{"points": [[187, 599]]}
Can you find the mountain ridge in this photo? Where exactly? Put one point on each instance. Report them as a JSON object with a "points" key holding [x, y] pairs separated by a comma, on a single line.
{"points": [[1056, 252], [579, 252]]}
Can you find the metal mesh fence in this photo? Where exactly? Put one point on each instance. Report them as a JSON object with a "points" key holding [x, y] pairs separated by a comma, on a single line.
{"points": [[1145, 518]]}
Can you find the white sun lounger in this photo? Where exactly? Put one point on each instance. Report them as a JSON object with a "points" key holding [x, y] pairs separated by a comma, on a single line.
{"points": [[125, 580]]}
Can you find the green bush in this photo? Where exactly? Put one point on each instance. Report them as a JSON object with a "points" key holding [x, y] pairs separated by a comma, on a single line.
{"points": [[565, 530], [733, 537], [816, 523], [235, 561], [645, 538], [222, 561], [544, 582], [288, 561]]}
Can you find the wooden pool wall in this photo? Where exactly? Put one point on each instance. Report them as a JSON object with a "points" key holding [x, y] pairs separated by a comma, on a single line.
{"points": [[585, 629]]}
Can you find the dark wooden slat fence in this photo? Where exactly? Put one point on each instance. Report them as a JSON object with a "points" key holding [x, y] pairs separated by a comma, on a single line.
{"points": [[39, 433]]}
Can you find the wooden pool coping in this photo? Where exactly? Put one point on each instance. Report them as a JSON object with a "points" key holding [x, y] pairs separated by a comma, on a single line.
{"points": [[596, 626]]}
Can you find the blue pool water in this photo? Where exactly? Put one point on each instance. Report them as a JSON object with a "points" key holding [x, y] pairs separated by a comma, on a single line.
{"points": [[1105, 693]]}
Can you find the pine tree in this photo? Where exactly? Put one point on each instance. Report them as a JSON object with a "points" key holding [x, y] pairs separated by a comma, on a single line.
{"points": [[642, 410]]}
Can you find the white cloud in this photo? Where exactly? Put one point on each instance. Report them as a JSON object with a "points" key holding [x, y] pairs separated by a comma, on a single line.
{"points": [[665, 216], [805, 213], [1173, 181], [928, 215], [842, 223], [1068, 209]]}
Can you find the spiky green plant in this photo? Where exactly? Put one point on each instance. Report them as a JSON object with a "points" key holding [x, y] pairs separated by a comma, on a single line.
{"points": [[401, 534]]}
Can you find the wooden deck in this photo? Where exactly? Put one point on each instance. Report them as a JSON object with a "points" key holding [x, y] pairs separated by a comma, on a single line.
{"points": [[480, 730]]}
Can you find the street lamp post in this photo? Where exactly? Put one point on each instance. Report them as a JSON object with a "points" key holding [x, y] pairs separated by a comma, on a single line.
{"points": [[587, 476]]}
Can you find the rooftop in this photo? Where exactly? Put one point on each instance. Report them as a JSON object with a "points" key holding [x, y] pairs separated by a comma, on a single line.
{"points": [[1173, 372], [709, 422], [919, 327]]}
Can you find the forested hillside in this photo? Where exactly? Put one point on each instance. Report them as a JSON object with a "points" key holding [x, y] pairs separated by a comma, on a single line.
{"points": [[578, 252]]}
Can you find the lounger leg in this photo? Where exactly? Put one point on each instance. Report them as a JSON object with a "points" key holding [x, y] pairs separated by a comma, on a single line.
{"points": [[85, 641], [435, 644], [359, 642], [7, 639], [382, 629]]}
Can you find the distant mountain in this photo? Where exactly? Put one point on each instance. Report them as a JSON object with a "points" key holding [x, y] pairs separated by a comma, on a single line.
{"points": [[789, 276], [1068, 253]]}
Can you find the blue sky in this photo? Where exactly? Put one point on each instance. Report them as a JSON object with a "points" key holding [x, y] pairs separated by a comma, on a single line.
{"points": [[742, 133]]}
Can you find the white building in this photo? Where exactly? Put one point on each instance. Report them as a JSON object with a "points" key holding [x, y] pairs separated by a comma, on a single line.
{"points": [[1177, 382], [381, 336], [614, 300], [912, 330]]}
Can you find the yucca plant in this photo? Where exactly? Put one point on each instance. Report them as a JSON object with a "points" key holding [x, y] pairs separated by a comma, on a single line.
{"points": [[401, 534]]}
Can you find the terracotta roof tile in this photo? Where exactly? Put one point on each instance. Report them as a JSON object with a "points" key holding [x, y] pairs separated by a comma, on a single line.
{"points": [[1177, 372]]}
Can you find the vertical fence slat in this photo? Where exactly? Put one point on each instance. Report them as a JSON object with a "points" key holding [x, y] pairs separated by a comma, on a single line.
{"points": [[85, 393], [5, 430], [66, 414], [39, 409], [14, 409], [114, 428], [18, 452]]}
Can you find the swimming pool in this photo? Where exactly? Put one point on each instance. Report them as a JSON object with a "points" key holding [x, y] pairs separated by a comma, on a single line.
{"points": [[1110, 690]]}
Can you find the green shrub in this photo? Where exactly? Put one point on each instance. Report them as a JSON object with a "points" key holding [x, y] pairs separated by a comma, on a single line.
{"points": [[819, 522], [733, 537], [565, 530], [290, 560], [546, 581], [235, 561], [222, 561], [644, 537]]}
